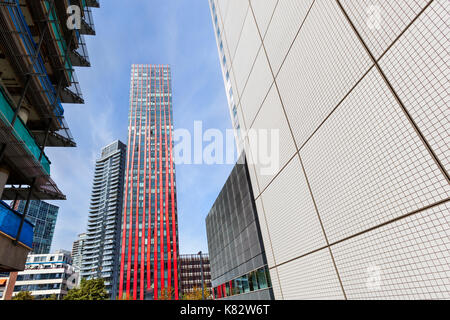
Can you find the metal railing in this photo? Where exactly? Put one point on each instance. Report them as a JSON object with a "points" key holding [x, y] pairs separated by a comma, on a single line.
{"points": [[21, 132], [80, 56], [88, 22], [10, 223], [24, 33]]}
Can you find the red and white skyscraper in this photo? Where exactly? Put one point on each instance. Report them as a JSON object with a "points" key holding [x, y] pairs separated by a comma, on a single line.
{"points": [[149, 247]]}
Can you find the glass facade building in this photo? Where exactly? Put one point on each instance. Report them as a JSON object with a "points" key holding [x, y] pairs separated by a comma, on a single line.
{"points": [[358, 91], [236, 250], [43, 215], [100, 248], [149, 249]]}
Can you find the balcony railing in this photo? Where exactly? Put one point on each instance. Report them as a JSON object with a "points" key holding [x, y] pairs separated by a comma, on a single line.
{"points": [[59, 38], [10, 222], [80, 56], [87, 23], [92, 3], [21, 132], [27, 50]]}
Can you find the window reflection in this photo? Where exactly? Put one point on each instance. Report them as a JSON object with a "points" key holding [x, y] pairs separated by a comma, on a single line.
{"points": [[256, 280], [262, 279]]}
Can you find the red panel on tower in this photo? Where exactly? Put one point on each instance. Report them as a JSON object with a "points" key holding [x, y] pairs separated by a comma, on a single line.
{"points": [[149, 219]]}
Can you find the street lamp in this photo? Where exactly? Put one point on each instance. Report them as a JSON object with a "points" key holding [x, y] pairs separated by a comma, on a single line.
{"points": [[201, 271]]}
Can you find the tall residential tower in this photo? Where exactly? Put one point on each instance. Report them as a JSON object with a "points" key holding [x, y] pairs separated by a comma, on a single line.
{"points": [[100, 255], [149, 228], [358, 92], [77, 251]]}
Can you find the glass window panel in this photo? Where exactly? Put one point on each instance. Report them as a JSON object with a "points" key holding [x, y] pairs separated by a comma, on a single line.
{"points": [[239, 288], [262, 280], [251, 282], [245, 284], [269, 282]]}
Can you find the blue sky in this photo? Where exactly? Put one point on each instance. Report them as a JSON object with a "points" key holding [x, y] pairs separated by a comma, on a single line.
{"points": [[175, 32]]}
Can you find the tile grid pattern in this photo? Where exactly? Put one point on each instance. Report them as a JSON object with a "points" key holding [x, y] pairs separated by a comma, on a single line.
{"points": [[381, 44]]}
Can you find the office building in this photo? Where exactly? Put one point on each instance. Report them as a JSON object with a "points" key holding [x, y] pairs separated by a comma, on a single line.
{"points": [[46, 275], [100, 255], [191, 267], [4, 278], [357, 92], [149, 249], [39, 50], [77, 251], [238, 261], [43, 216]]}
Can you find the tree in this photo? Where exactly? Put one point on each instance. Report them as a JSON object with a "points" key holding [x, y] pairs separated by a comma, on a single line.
{"points": [[52, 297], [23, 295], [125, 297], [93, 289], [167, 294], [196, 294]]}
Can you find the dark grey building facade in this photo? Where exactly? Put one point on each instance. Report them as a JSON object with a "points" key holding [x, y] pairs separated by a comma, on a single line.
{"points": [[236, 251]]}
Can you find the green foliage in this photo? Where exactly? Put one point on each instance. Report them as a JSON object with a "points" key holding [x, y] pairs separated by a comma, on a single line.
{"points": [[93, 289], [125, 297], [167, 293], [52, 297], [196, 294], [23, 295]]}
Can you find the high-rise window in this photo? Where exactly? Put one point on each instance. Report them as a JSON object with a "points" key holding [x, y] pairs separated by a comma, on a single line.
{"points": [[149, 238], [100, 248]]}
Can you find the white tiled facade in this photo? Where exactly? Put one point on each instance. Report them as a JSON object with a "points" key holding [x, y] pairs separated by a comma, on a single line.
{"points": [[359, 207]]}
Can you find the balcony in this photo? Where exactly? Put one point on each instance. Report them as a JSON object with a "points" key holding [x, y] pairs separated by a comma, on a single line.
{"points": [[80, 56], [56, 43], [21, 132], [92, 249], [87, 22], [93, 3], [77, 52], [13, 256], [20, 48], [72, 94], [22, 156], [61, 51]]}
